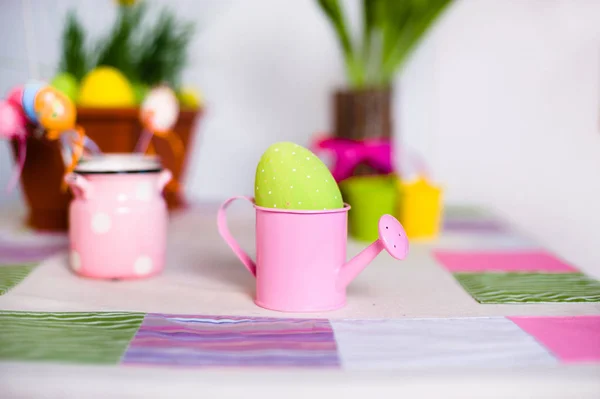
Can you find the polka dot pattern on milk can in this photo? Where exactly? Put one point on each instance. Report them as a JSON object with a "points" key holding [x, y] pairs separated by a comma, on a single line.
{"points": [[289, 176], [143, 265], [143, 191], [101, 223]]}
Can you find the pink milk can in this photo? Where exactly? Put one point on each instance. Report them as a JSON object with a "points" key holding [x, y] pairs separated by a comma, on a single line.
{"points": [[301, 256], [118, 218]]}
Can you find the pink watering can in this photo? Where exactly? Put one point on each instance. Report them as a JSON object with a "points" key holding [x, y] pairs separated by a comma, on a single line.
{"points": [[301, 255]]}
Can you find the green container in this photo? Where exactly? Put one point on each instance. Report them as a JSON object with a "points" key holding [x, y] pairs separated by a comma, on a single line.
{"points": [[370, 197]]}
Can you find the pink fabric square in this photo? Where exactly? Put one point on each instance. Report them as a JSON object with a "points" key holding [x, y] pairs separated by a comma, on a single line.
{"points": [[571, 339], [502, 262]]}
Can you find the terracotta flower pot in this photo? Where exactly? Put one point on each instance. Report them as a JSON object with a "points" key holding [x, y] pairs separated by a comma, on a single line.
{"points": [[115, 131], [41, 181]]}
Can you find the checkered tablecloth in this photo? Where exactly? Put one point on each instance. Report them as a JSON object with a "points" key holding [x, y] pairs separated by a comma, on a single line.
{"points": [[483, 298]]}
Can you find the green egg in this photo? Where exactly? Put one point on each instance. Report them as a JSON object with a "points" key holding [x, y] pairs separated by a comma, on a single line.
{"points": [[67, 84], [289, 176], [140, 92]]}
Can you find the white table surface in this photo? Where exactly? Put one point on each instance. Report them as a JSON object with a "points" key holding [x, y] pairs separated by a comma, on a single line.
{"points": [[204, 277]]}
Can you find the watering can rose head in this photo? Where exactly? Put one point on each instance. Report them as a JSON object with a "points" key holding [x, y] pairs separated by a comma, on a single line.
{"points": [[289, 176]]}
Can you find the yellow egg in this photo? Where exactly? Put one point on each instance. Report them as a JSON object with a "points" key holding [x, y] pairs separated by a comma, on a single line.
{"points": [[190, 98], [106, 87]]}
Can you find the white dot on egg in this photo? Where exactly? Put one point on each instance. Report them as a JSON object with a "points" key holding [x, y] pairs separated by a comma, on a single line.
{"points": [[291, 186], [262, 170], [299, 202], [317, 190], [273, 177], [293, 170], [269, 192], [293, 152], [276, 149], [308, 177], [308, 158], [274, 205], [101, 223]]}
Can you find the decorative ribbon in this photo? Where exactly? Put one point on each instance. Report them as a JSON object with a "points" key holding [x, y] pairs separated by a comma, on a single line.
{"points": [[145, 145], [376, 153], [22, 140], [176, 145], [349, 154], [72, 147]]}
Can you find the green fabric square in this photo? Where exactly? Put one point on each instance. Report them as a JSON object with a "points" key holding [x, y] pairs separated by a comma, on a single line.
{"points": [[11, 275], [96, 338], [530, 287]]}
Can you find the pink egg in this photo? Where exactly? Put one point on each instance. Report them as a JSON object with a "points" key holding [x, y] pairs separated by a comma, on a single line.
{"points": [[15, 98], [15, 95], [12, 121], [160, 109]]}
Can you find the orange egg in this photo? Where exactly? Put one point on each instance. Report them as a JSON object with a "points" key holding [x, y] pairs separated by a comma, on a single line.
{"points": [[55, 111]]}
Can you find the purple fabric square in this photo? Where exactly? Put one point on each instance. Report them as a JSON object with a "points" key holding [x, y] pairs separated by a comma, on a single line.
{"points": [[228, 341], [473, 226], [13, 253]]}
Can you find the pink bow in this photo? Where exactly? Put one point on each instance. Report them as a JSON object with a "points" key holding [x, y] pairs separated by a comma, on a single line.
{"points": [[376, 153]]}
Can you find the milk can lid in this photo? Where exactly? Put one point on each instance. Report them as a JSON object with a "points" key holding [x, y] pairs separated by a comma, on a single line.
{"points": [[118, 163]]}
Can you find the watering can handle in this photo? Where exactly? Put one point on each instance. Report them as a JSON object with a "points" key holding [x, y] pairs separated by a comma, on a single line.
{"points": [[224, 232], [79, 185]]}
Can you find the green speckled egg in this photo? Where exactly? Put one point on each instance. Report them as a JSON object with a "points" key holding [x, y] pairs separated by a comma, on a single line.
{"points": [[289, 176]]}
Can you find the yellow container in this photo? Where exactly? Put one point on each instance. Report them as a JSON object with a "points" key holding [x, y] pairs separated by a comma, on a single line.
{"points": [[420, 208]]}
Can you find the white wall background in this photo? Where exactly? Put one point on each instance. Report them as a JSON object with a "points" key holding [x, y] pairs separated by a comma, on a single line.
{"points": [[502, 98]]}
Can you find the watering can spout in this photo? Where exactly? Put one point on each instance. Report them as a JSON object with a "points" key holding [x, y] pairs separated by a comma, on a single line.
{"points": [[392, 237]]}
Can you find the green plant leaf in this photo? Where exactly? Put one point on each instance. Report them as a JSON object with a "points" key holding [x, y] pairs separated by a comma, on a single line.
{"points": [[390, 31], [354, 68], [74, 59], [116, 49], [374, 19], [417, 17], [163, 55], [146, 52], [369, 22]]}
